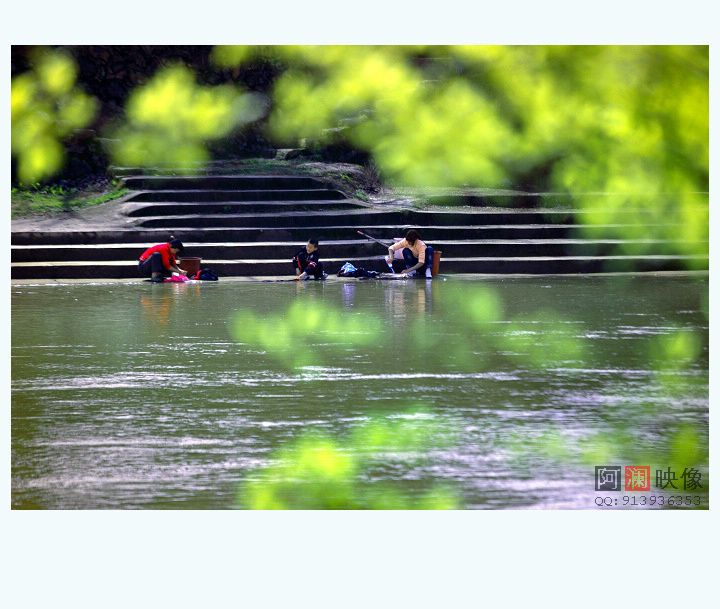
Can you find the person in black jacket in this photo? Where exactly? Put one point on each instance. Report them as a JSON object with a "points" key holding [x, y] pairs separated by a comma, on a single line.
{"points": [[307, 262]]}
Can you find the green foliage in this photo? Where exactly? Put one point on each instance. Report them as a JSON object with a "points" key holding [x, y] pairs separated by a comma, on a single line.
{"points": [[688, 447], [320, 472], [631, 121], [476, 336], [679, 446], [481, 335], [543, 341], [169, 120], [623, 129], [610, 119], [625, 119], [661, 435], [674, 350], [476, 332], [46, 107], [304, 336]]}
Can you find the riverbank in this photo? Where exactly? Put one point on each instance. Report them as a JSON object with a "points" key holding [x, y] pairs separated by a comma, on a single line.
{"points": [[97, 206], [332, 278], [91, 201]]}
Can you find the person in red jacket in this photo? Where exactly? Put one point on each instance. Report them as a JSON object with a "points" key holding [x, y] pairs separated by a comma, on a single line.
{"points": [[159, 261]]}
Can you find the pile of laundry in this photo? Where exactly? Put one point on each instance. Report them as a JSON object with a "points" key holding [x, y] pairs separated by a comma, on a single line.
{"points": [[349, 270]]}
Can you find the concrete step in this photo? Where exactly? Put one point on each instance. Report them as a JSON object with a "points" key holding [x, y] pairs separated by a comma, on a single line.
{"points": [[235, 208], [252, 225], [512, 199], [362, 218], [225, 196], [300, 233], [262, 267], [350, 249], [239, 182], [576, 264]]}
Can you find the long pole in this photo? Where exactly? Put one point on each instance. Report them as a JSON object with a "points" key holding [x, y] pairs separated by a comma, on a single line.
{"points": [[385, 243], [388, 260]]}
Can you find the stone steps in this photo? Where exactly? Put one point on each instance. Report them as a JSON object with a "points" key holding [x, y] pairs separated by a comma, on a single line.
{"points": [[183, 209], [237, 182], [350, 249], [323, 233], [123, 269], [362, 218], [365, 217], [252, 226], [235, 196]]}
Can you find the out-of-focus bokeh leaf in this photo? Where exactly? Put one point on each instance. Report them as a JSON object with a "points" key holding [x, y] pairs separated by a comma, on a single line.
{"points": [[624, 130], [46, 106], [169, 120], [320, 472]]}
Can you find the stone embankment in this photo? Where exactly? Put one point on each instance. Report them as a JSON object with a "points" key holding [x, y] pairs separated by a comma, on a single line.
{"points": [[251, 226]]}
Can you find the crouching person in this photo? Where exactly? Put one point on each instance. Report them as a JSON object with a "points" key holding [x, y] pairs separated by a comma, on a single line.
{"points": [[418, 256], [307, 262], [159, 262]]}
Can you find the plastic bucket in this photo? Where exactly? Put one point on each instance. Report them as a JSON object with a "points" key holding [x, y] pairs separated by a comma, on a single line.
{"points": [[191, 265], [436, 263]]}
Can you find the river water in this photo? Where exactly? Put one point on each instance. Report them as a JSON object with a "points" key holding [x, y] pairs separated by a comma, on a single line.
{"points": [[462, 392]]}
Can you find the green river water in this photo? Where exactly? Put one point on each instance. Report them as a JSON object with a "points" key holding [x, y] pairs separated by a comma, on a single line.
{"points": [[461, 392]]}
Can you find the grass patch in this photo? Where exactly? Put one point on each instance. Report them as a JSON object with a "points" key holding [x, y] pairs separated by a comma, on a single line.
{"points": [[49, 199]]}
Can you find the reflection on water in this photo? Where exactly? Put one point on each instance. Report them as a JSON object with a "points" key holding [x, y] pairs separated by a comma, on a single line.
{"points": [[288, 394]]}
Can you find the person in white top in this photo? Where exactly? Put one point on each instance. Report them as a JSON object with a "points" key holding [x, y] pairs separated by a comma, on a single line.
{"points": [[418, 256]]}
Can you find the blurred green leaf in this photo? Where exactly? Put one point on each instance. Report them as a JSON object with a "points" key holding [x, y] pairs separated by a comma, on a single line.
{"points": [[318, 472], [46, 107], [171, 118]]}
